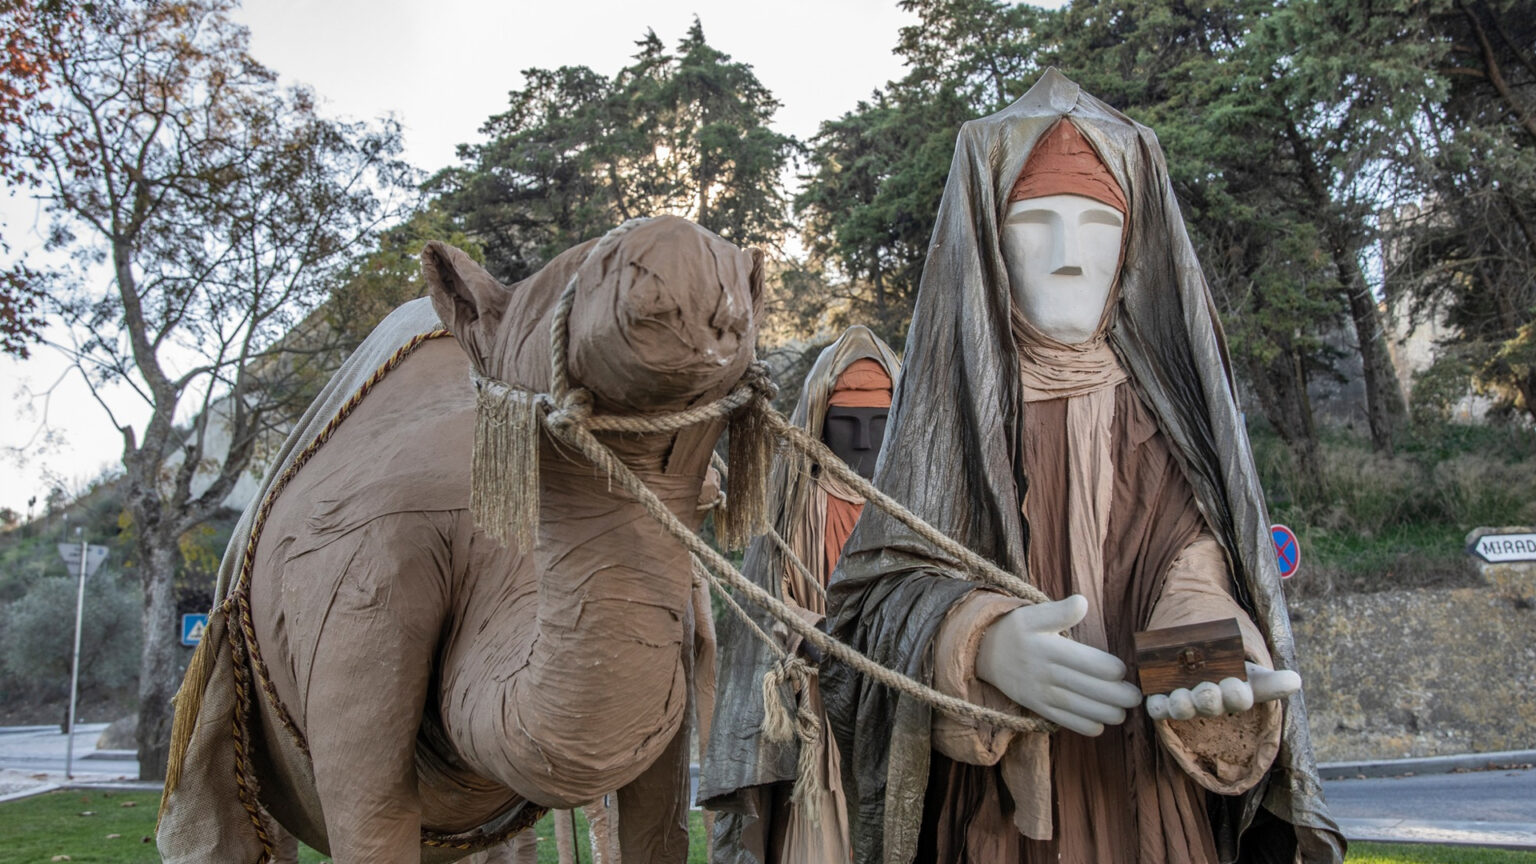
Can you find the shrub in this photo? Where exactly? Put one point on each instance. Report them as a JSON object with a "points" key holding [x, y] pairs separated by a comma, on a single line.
{"points": [[1474, 490], [1374, 522], [37, 636]]}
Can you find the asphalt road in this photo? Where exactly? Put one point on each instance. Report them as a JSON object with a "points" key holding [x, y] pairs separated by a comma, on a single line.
{"points": [[1481, 796], [41, 750]]}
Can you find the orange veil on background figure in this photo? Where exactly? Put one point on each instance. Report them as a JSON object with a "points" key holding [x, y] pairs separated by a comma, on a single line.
{"points": [[745, 776]]}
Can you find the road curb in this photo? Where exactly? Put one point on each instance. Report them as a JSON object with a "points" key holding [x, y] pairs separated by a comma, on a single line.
{"points": [[29, 792], [117, 755], [1497, 835], [1501, 759], [117, 785]]}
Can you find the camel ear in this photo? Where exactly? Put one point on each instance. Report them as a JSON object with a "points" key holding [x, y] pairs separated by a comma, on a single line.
{"points": [[757, 278], [468, 300]]}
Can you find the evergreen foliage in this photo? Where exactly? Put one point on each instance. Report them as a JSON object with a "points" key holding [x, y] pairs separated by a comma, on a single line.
{"points": [[576, 153]]}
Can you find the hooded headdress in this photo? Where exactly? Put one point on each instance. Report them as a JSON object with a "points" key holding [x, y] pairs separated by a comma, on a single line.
{"points": [[951, 457], [1064, 163]]}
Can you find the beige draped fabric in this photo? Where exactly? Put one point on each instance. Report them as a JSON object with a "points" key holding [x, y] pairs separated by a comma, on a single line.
{"points": [[832, 510], [1085, 375], [1114, 798]]}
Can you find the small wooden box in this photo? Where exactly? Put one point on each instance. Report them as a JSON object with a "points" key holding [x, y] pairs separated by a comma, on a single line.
{"points": [[1184, 656]]}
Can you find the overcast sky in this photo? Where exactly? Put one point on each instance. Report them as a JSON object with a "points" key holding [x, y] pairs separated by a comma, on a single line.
{"points": [[441, 68]]}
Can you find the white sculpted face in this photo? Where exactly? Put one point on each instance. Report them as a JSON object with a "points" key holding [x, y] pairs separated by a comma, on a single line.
{"points": [[1062, 252]]}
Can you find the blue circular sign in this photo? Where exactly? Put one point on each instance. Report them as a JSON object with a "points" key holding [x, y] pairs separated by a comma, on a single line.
{"points": [[1287, 549]]}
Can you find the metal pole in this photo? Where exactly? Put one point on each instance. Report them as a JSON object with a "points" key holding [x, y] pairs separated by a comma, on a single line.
{"points": [[74, 673]]}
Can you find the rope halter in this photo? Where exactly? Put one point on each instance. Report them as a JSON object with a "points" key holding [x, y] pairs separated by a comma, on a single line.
{"points": [[504, 494]]}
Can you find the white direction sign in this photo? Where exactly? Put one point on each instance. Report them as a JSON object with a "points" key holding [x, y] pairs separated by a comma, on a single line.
{"points": [[1503, 548], [94, 555]]}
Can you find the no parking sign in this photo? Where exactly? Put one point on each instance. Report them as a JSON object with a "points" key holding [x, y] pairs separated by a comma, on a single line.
{"points": [[1287, 550]]}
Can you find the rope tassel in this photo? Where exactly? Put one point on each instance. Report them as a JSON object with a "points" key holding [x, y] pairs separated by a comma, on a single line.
{"points": [[189, 703], [751, 443], [779, 726], [504, 479], [808, 790]]}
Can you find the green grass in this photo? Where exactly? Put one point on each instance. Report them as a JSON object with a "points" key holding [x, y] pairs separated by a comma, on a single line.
{"points": [[38, 828], [81, 824], [1392, 853]]}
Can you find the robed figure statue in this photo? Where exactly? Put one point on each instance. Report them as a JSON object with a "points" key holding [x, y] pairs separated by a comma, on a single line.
{"points": [[1067, 409], [746, 776]]}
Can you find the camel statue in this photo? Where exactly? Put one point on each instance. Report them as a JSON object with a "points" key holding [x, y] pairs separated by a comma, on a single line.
{"points": [[393, 681]]}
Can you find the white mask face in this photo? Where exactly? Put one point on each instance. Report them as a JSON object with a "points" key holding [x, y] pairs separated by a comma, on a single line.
{"points": [[1062, 253]]}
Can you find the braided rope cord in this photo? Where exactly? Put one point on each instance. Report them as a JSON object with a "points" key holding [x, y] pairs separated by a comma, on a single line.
{"points": [[246, 650], [723, 574], [976, 564], [566, 414]]}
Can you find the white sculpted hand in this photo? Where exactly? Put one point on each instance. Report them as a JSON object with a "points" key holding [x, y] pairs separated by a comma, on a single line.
{"points": [[1073, 685], [1231, 696]]}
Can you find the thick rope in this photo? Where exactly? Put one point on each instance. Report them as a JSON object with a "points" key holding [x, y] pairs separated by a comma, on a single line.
{"points": [[976, 564], [702, 573], [723, 574], [506, 497], [566, 414], [795, 562], [779, 724]]}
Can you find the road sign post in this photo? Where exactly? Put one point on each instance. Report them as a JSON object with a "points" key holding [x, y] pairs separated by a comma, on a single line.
{"points": [[85, 559]]}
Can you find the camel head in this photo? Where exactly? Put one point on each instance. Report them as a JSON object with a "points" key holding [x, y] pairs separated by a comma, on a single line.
{"points": [[665, 314]]}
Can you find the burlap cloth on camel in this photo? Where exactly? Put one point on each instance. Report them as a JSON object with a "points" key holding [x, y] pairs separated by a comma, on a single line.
{"points": [[400, 466]]}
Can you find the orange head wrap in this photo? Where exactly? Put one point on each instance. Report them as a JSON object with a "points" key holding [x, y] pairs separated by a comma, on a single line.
{"points": [[1064, 163], [864, 384]]}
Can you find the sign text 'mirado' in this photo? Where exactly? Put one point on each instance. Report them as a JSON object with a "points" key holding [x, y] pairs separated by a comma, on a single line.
{"points": [[1503, 548]]}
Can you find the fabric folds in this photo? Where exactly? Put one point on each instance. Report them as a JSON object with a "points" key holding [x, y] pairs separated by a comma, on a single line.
{"points": [[745, 775], [953, 456]]}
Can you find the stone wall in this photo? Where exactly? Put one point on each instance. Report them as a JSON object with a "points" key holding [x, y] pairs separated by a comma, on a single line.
{"points": [[1423, 672]]}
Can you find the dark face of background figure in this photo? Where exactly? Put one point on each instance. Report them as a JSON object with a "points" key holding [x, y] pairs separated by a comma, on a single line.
{"points": [[854, 434]]}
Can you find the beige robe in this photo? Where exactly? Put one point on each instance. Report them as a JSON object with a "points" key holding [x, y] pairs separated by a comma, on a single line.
{"points": [[1135, 793], [818, 540]]}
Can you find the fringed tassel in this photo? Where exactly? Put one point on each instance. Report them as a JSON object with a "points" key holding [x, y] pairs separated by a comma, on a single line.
{"points": [[504, 484], [751, 445], [779, 725], [808, 791], [189, 701]]}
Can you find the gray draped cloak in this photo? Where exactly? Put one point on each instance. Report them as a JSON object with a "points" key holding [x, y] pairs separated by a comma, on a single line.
{"points": [[951, 456]]}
